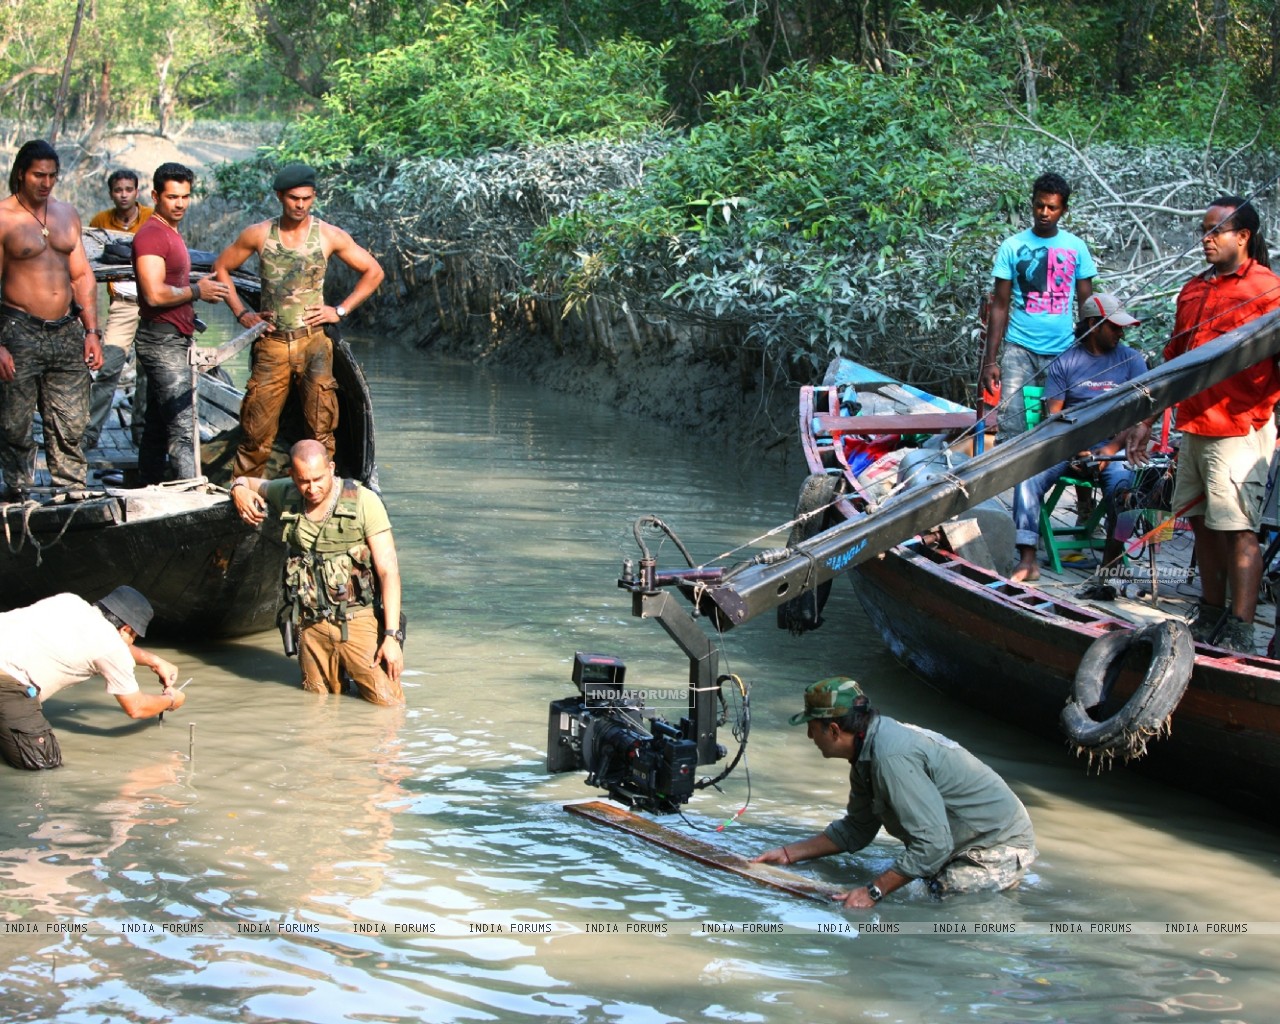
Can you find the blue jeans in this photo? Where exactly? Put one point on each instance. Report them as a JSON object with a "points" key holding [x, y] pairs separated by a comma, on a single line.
{"points": [[168, 429], [1028, 496], [1018, 367]]}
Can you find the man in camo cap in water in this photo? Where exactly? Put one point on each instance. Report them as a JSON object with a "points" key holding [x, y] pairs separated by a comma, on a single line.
{"points": [[293, 253], [963, 827]]}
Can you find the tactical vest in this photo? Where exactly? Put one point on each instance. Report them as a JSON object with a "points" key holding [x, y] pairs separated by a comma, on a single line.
{"points": [[335, 576]]}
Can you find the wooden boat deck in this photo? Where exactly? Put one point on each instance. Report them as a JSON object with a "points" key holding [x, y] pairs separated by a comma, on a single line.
{"points": [[1160, 583]]}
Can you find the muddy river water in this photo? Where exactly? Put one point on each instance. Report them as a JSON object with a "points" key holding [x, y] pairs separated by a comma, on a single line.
{"points": [[267, 855]]}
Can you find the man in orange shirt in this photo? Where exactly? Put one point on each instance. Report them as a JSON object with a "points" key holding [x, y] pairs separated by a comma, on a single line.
{"points": [[1228, 430], [125, 214]]}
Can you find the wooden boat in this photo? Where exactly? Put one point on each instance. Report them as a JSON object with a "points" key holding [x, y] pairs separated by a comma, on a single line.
{"points": [[205, 572], [1014, 649]]}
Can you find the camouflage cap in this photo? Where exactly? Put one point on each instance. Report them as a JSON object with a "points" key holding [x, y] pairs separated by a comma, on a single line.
{"points": [[830, 698]]}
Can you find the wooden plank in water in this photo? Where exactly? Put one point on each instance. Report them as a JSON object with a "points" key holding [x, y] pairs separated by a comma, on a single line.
{"points": [[703, 852]]}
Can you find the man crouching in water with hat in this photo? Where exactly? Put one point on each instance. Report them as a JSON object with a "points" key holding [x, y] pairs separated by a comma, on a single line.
{"points": [[64, 640], [964, 829]]}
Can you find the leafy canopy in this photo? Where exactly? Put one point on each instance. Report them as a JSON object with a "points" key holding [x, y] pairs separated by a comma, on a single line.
{"points": [[470, 84], [820, 165]]}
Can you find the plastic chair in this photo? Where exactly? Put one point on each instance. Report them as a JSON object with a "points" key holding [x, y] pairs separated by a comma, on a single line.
{"points": [[1055, 536]]}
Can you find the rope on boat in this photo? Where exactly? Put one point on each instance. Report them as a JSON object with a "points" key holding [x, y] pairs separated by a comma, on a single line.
{"points": [[28, 507]]}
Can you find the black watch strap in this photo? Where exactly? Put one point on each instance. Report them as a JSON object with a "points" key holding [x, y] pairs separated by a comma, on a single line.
{"points": [[398, 634]]}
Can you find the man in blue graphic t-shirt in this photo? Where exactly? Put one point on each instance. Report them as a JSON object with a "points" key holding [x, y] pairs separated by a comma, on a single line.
{"points": [[1036, 273]]}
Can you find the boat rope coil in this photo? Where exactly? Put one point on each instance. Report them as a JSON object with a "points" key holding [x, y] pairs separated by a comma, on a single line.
{"points": [[27, 537], [1147, 714]]}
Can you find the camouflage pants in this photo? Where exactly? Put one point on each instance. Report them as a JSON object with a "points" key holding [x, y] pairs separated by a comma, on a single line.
{"points": [[48, 374], [991, 870], [277, 365]]}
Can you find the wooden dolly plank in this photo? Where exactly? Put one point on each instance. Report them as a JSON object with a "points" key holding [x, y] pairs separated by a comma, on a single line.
{"points": [[704, 853]]}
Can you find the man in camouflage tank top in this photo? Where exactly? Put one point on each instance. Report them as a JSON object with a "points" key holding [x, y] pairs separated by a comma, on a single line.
{"points": [[293, 252]]}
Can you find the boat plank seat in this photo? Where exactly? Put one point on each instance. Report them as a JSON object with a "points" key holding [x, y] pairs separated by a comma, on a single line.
{"points": [[920, 423]]}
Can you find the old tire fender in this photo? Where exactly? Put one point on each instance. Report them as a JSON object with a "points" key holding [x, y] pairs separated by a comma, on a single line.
{"points": [[1144, 713]]}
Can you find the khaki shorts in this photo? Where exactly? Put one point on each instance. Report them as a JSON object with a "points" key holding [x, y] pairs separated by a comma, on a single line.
{"points": [[1229, 475]]}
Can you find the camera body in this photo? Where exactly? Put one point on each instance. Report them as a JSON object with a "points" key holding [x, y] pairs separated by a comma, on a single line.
{"points": [[625, 748]]}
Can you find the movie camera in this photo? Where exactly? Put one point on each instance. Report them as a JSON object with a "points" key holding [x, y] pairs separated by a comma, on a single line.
{"points": [[626, 748]]}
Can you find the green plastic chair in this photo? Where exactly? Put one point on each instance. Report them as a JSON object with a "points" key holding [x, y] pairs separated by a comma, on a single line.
{"points": [[1056, 537]]}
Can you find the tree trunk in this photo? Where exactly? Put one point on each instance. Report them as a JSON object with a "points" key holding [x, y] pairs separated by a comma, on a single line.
{"points": [[1221, 21], [1273, 74], [1026, 62], [101, 111], [60, 102], [1135, 27], [164, 98]]}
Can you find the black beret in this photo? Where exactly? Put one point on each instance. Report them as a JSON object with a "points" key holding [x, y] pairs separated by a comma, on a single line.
{"points": [[294, 176]]}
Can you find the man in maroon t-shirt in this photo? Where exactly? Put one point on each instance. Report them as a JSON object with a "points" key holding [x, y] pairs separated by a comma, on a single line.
{"points": [[166, 304]]}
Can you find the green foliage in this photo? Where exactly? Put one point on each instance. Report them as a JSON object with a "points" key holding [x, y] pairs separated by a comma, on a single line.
{"points": [[799, 208], [1212, 104], [149, 59], [470, 84]]}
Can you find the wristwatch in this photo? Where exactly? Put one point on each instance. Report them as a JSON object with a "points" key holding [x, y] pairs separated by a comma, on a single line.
{"points": [[397, 634], [341, 311], [874, 892]]}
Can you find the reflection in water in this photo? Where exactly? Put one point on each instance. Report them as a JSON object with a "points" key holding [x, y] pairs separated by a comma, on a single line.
{"points": [[400, 845]]}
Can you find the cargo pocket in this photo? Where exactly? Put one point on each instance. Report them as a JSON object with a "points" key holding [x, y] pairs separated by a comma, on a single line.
{"points": [[36, 750], [26, 738]]}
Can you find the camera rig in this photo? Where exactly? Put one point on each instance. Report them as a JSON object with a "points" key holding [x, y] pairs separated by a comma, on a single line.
{"points": [[626, 747], [794, 576]]}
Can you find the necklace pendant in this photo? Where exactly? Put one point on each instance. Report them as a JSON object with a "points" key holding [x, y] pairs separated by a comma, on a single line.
{"points": [[45, 232]]}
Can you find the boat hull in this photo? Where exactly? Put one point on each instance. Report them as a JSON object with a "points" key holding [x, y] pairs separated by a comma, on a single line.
{"points": [[1010, 651], [205, 572]]}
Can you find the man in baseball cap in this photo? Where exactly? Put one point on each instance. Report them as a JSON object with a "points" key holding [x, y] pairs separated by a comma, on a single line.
{"points": [[962, 826], [64, 640], [1098, 362], [830, 698], [1106, 306]]}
